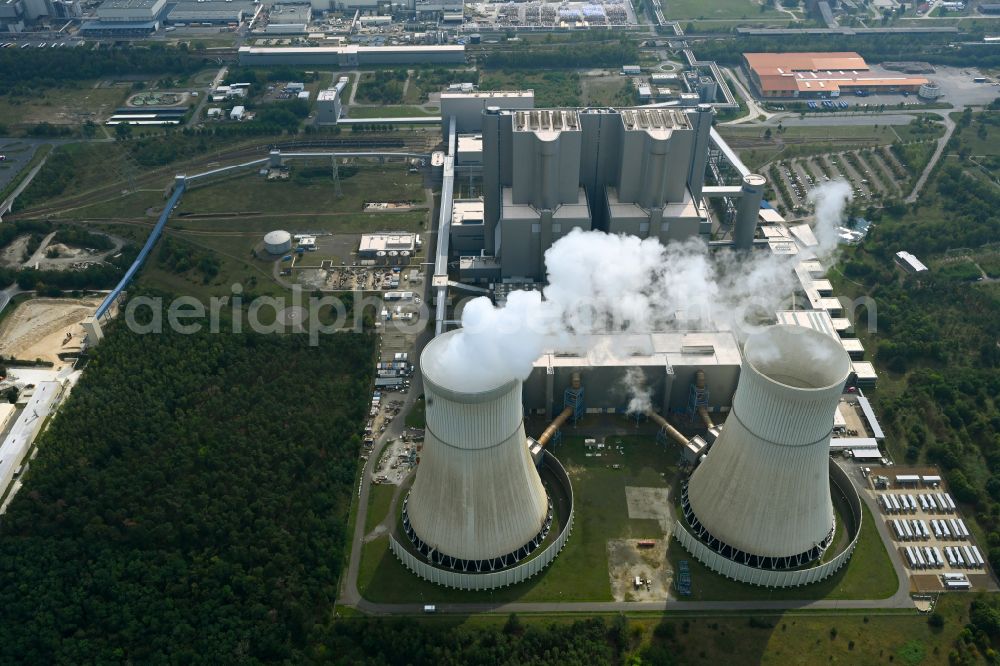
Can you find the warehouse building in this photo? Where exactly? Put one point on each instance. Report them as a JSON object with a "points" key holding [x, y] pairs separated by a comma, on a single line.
{"points": [[821, 75], [352, 56], [211, 11], [372, 244]]}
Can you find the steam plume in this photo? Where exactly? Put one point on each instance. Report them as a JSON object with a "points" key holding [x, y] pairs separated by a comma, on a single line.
{"points": [[600, 283]]}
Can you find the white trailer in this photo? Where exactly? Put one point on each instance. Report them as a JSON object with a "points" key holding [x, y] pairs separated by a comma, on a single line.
{"points": [[907, 529], [963, 529], [894, 501], [923, 502], [949, 555], [931, 504], [936, 528], [978, 556], [942, 503], [945, 530], [913, 504], [970, 559], [937, 556], [950, 501], [910, 560], [900, 536], [920, 558], [929, 556]]}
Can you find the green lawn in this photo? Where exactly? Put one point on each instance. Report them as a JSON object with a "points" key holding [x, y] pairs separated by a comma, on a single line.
{"points": [[580, 572], [415, 418], [136, 204], [719, 9], [249, 193], [379, 498], [868, 575], [62, 106], [552, 89]]}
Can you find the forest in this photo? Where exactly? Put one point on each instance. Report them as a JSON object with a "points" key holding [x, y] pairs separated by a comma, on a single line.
{"points": [[936, 333], [189, 502], [24, 71], [542, 56]]}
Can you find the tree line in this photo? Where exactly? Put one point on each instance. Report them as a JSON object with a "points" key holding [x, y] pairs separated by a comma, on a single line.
{"points": [[188, 502]]}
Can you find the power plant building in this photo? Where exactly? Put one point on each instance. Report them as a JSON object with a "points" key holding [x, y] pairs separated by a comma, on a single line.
{"points": [[668, 363], [548, 171]]}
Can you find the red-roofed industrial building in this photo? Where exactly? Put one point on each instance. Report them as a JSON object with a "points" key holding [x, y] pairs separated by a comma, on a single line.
{"points": [[821, 75]]}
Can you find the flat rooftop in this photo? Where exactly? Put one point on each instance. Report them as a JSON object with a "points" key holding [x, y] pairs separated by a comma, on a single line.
{"points": [[488, 94], [658, 349], [546, 120], [820, 72], [654, 119], [128, 4], [468, 212], [817, 320], [387, 241]]}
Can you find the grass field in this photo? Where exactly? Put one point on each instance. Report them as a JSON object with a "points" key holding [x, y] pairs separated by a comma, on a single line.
{"points": [[379, 498], [719, 9], [552, 89], [132, 205], [757, 148], [314, 194], [580, 572], [62, 106], [868, 575]]}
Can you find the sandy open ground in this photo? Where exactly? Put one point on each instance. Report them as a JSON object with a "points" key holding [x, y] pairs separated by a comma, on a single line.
{"points": [[38, 328]]}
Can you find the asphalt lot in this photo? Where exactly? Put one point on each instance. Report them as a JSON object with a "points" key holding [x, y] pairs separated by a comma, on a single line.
{"points": [[18, 153]]}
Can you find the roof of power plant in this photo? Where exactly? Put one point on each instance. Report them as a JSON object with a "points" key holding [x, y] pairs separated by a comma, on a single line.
{"points": [[793, 74]]}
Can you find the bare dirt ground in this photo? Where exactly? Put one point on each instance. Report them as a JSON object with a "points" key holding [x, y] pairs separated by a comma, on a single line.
{"points": [[13, 255], [626, 561], [38, 328], [650, 503]]}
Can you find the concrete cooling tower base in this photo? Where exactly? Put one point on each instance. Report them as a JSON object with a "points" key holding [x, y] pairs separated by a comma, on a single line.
{"points": [[778, 572], [517, 567]]}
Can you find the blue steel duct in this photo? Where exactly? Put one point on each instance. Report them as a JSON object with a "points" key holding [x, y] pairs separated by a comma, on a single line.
{"points": [[143, 253]]}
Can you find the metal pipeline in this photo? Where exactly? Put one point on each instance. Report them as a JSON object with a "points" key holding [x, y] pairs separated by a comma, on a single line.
{"points": [[558, 421], [669, 429], [699, 378]]}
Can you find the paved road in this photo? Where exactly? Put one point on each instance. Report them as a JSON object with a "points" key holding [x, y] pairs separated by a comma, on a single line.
{"points": [[8, 205], [754, 109], [206, 94], [949, 125]]}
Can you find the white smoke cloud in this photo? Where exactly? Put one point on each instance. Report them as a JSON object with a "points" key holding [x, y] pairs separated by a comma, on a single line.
{"points": [[599, 283], [640, 399], [830, 201]]}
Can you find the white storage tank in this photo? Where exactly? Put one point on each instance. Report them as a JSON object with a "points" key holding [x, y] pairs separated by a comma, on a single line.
{"points": [[278, 242]]}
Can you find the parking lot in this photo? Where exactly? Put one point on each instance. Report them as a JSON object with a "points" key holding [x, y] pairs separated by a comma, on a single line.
{"points": [[17, 154], [926, 527], [874, 174]]}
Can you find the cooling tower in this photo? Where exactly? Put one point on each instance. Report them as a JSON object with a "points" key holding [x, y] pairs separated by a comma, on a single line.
{"points": [[762, 495], [477, 503]]}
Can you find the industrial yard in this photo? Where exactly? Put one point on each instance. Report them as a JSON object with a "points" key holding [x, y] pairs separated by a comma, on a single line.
{"points": [[45, 329]]}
